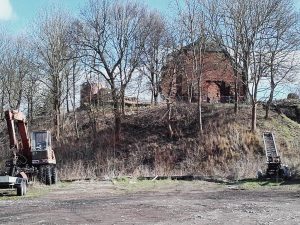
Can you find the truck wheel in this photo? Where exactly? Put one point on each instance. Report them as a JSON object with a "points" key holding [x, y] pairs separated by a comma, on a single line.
{"points": [[25, 188], [48, 175], [54, 175], [286, 172], [259, 175], [41, 175], [20, 189]]}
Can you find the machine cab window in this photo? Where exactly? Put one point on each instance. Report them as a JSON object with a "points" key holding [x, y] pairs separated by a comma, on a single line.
{"points": [[40, 140]]}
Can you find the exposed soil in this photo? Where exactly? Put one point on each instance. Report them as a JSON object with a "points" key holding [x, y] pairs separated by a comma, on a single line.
{"points": [[174, 203]]}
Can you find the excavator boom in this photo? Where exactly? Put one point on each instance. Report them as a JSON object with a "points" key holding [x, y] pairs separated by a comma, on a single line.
{"points": [[13, 119]]}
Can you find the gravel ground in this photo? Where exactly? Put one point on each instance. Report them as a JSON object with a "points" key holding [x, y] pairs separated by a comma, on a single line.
{"points": [[177, 202]]}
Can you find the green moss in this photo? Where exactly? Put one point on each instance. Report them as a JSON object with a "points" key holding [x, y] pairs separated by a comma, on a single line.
{"points": [[278, 184], [259, 184]]}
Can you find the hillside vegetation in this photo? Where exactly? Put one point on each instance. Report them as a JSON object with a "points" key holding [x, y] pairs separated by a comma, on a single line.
{"points": [[226, 149]]}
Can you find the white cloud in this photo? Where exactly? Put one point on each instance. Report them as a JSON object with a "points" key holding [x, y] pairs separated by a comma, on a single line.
{"points": [[6, 10]]}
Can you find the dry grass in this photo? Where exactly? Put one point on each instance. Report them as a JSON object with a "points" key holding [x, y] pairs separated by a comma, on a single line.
{"points": [[225, 149], [77, 170]]}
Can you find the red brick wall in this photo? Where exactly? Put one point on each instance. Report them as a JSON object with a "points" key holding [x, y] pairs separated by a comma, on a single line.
{"points": [[217, 77]]}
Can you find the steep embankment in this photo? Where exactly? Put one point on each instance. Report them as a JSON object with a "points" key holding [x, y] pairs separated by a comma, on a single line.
{"points": [[226, 148], [291, 108]]}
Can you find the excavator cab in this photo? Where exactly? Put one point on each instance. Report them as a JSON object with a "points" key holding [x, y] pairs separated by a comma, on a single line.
{"points": [[41, 148]]}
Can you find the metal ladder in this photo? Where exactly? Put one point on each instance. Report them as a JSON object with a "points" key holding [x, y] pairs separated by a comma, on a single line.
{"points": [[270, 146]]}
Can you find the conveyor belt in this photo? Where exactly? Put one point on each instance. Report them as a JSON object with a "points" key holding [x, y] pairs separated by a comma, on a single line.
{"points": [[270, 146]]}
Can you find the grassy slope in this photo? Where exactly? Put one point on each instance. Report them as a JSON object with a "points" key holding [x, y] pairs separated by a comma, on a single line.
{"points": [[226, 148]]}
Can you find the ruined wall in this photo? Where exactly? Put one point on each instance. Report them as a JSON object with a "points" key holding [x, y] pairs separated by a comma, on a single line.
{"points": [[88, 91], [97, 95], [217, 78]]}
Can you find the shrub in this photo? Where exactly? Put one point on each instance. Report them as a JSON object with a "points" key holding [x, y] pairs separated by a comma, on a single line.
{"points": [[292, 96]]}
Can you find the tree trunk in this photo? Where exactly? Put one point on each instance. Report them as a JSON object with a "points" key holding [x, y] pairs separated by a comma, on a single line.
{"points": [[268, 105], [200, 126], [271, 96], [152, 97], [236, 97], [2, 103], [93, 121], [190, 93], [19, 99], [155, 98], [253, 117], [74, 99], [246, 76], [62, 121], [236, 87], [117, 122], [57, 118], [117, 115], [76, 124], [31, 109], [122, 102], [57, 123], [28, 110], [169, 108], [67, 95]]}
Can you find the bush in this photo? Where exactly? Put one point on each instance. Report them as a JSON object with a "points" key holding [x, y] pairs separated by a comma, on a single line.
{"points": [[292, 96]]}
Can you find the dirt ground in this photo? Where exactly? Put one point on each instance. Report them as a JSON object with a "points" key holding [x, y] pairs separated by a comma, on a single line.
{"points": [[172, 202]]}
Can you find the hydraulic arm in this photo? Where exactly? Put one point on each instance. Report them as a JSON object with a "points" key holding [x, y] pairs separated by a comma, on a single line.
{"points": [[17, 119]]}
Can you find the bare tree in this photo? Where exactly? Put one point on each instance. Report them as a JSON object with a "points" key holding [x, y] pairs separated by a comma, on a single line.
{"points": [[112, 35], [31, 95], [155, 53], [76, 76], [32, 91], [16, 67], [52, 46], [256, 38], [281, 48], [192, 22], [170, 70], [244, 29], [173, 67], [225, 26], [3, 45]]}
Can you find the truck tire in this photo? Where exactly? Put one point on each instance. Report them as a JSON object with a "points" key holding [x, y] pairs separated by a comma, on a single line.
{"points": [[25, 188], [286, 172], [48, 175], [259, 175], [41, 175], [20, 189], [54, 178]]}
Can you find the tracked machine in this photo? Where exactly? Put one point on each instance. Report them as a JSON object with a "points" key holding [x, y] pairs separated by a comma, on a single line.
{"points": [[32, 156], [275, 168]]}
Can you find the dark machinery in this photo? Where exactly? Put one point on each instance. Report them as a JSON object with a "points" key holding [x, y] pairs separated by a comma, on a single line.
{"points": [[275, 168], [31, 156]]}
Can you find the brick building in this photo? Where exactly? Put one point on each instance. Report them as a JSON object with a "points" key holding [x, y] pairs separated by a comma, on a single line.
{"points": [[98, 95], [217, 80], [93, 93]]}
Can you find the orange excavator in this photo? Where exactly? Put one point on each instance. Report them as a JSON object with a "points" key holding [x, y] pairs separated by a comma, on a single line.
{"points": [[32, 156]]}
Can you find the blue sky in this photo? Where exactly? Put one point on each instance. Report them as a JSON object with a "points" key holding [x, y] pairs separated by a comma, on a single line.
{"points": [[17, 15]]}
